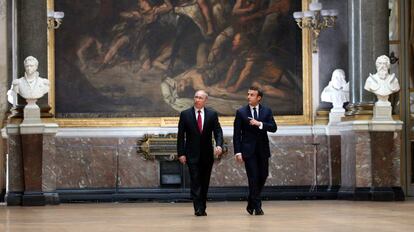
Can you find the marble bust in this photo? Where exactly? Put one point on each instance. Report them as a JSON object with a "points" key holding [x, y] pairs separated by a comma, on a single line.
{"points": [[337, 91], [31, 86], [382, 83]]}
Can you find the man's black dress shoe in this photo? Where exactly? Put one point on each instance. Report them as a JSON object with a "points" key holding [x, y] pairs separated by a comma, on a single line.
{"points": [[200, 213], [258, 212], [250, 210]]}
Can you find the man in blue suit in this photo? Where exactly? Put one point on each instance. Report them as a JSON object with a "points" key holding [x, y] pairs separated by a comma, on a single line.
{"points": [[195, 147], [251, 145]]}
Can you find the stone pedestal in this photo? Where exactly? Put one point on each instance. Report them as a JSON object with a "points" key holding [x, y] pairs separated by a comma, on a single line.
{"points": [[31, 112], [382, 111], [31, 164], [335, 115], [370, 161], [334, 153]]}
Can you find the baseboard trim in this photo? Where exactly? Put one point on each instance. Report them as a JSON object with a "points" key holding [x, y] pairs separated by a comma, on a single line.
{"points": [[181, 194], [371, 194], [32, 198], [215, 194], [2, 195]]}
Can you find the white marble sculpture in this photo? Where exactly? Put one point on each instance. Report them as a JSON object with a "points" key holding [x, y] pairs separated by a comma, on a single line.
{"points": [[382, 84], [31, 87], [336, 92]]}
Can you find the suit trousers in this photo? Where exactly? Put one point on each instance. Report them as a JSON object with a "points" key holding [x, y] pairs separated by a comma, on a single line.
{"points": [[200, 179], [257, 169]]}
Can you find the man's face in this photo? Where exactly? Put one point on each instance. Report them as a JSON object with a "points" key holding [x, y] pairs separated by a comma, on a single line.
{"points": [[200, 99], [30, 68], [382, 66], [181, 84], [338, 80], [236, 42], [253, 97], [144, 5]]}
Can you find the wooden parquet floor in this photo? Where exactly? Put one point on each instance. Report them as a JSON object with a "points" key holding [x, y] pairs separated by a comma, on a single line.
{"points": [[222, 216]]}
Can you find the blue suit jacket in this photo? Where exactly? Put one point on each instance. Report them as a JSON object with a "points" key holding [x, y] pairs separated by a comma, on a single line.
{"points": [[247, 138]]}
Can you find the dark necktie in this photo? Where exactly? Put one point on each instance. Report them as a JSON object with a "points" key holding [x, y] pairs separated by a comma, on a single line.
{"points": [[254, 113], [199, 122]]}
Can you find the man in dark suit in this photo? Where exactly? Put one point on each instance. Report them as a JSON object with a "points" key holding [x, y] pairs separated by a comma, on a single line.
{"points": [[195, 147], [251, 145]]}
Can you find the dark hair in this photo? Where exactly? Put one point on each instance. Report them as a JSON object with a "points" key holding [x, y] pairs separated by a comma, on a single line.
{"points": [[259, 91]]}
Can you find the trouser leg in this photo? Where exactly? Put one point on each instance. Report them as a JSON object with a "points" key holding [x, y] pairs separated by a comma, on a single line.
{"points": [[252, 177], [205, 181], [195, 186], [257, 169], [263, 168]]}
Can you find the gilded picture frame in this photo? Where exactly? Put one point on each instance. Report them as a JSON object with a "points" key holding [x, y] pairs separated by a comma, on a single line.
{"points": [[304, 119]]}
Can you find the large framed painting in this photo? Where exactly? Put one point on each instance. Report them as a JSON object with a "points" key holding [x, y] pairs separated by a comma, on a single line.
{"points": [[139, 62]]}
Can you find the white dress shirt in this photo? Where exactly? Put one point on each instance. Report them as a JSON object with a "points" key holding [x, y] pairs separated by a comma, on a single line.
{"points": [[257, 111]]}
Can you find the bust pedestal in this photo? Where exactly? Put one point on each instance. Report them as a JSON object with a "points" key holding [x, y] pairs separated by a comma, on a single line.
{"points": [[335, 115], [370, 160], [382, 111], [32, 153], [31, 112]]}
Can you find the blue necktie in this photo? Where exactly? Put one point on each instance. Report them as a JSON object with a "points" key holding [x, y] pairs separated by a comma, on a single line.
{"points": [[254, 113]]}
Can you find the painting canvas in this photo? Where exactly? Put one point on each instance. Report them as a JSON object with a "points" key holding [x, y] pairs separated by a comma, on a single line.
{"points": [[145, 58]]}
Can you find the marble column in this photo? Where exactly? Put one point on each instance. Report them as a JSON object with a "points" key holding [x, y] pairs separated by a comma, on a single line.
{"points": [[32, 41], [3, 60], [333, 45], [368, 39], [3, 90]]}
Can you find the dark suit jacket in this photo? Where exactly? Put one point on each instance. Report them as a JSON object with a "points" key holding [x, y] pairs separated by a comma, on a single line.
{"points": [[246, 137], [194, 145]]}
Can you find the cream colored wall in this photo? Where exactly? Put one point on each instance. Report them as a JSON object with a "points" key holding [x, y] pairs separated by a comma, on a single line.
{"points": [[3, 85]]}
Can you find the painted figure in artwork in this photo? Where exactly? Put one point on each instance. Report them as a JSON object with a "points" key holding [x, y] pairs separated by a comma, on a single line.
{"points": [[180, 46]]}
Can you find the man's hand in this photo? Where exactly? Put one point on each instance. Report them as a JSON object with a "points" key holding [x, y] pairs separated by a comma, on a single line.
{"points": [[182, 159], [239, 158], [131, 14], [254, 122], [218, 151]]}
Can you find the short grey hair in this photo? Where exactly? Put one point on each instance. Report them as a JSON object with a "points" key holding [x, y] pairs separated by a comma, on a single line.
{"points": [[202, 91]]}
